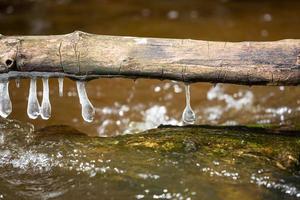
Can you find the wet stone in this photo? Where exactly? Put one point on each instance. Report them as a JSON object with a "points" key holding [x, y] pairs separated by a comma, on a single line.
{"points": [[204, 162], [190, 145]]}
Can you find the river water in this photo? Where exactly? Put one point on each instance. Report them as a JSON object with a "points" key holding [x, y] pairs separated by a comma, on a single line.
{"points": [[126, 106]]}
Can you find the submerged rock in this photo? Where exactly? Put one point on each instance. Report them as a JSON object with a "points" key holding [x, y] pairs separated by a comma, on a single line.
{"points": [[196, 162]]}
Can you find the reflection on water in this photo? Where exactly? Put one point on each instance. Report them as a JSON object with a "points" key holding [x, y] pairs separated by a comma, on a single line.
{"points": [[229, 20], [191, 163]]}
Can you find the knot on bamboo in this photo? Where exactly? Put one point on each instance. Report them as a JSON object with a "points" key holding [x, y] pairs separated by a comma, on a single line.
{"points": [[70, 61], [8, 53]]}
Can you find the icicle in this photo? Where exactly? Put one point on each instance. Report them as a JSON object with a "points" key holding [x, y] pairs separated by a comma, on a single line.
{"points": [[61, 86], [188, 115], [17, 80], [5, 103], [46, 106], [33, 107], [87, 109]]}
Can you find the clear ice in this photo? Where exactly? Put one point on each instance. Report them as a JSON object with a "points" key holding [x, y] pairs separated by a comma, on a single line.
{"points": [[188, 115], [5, 103], [17, 80], [61, 86], [33, 107], [87, 109], [46, 106]]}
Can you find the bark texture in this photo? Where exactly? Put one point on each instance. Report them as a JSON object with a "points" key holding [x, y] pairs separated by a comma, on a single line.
{"points": [[85, 56]]}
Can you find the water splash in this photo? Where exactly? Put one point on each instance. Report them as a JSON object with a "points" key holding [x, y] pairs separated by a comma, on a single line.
{"points": [[46, 106], [5, 103], [61, 86], [188, 115], [152, 118], [87, 109], [17, 80], [243, 99], [33, 107]]}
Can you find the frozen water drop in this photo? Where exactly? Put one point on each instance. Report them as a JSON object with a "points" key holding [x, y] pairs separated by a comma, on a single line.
{"points": [[87, 109], [46, 106], [61, 86], [5, 103], [188, 115], [33, 107], [17, 80]]}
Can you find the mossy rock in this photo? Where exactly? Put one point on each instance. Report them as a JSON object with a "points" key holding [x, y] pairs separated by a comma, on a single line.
{"points": [[196, 162]]}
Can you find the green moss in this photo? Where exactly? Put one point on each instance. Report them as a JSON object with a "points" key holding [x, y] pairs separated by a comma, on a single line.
{"points": [[225, 143], [168, 146]]}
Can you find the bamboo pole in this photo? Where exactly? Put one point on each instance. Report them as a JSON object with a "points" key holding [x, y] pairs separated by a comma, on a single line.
{"points": [[82, 55]]}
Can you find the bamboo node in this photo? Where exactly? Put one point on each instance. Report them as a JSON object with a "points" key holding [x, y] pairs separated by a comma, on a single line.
{"points": [[298, 60]]}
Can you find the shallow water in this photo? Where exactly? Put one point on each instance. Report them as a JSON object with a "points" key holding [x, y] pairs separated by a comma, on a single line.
{"points": [[192, 163]]}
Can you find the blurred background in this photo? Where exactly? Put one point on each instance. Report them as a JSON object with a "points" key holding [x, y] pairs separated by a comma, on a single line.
{"points": [[127, 106]]}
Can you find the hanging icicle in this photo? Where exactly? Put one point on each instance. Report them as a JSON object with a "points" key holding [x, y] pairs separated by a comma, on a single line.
{"points": [[87, 109], [5, 102], [61, 86], [17, 80], [33, 107], [46, 106], [188, 115]]}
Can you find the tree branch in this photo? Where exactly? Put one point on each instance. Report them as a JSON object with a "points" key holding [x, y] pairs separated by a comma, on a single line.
{"points": [[81, 55]]}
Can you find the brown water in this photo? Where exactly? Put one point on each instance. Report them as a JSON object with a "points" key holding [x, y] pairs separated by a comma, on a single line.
{"points": [[140, 103], [127, 106]]}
